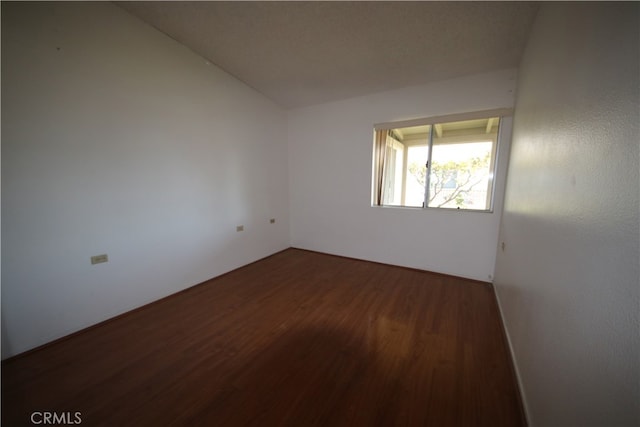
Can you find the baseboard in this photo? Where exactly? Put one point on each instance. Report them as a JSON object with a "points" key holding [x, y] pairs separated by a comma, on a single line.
{"points": [[514, 362], [470, 279]]}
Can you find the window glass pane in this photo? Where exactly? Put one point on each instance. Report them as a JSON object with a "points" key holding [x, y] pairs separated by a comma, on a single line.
{"points": [[392, 194], [416, 174], [462, 164], [461, 158]]}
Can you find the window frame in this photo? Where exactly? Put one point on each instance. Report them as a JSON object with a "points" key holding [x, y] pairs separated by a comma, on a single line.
{"points": [[501, 113]]}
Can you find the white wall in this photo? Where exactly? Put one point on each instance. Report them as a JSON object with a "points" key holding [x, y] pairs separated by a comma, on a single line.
{"points": [[330, 160], [568, 279], [118, 140]]}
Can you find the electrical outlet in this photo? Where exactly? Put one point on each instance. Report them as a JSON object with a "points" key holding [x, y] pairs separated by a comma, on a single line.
{"points": [[240, 228], [272, 220], [99, 259]]}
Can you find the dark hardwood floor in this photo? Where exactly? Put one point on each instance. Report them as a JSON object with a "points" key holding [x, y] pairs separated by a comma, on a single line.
{"points": [[296, 339]]}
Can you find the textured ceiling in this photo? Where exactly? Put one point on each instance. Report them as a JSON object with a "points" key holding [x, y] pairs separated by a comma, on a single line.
{"points": [[304, 53]]}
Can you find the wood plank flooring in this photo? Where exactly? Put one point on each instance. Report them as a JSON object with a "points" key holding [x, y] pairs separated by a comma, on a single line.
{"points": [[297, 339]]}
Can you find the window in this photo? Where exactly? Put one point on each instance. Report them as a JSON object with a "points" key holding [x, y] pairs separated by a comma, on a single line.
{"points": [[437, 164]]}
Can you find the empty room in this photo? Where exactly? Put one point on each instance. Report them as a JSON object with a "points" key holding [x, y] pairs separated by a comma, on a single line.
{"points": [[320, 213]]}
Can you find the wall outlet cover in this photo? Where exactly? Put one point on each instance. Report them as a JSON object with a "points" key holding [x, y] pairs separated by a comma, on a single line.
{"points": [[99, 259]]}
